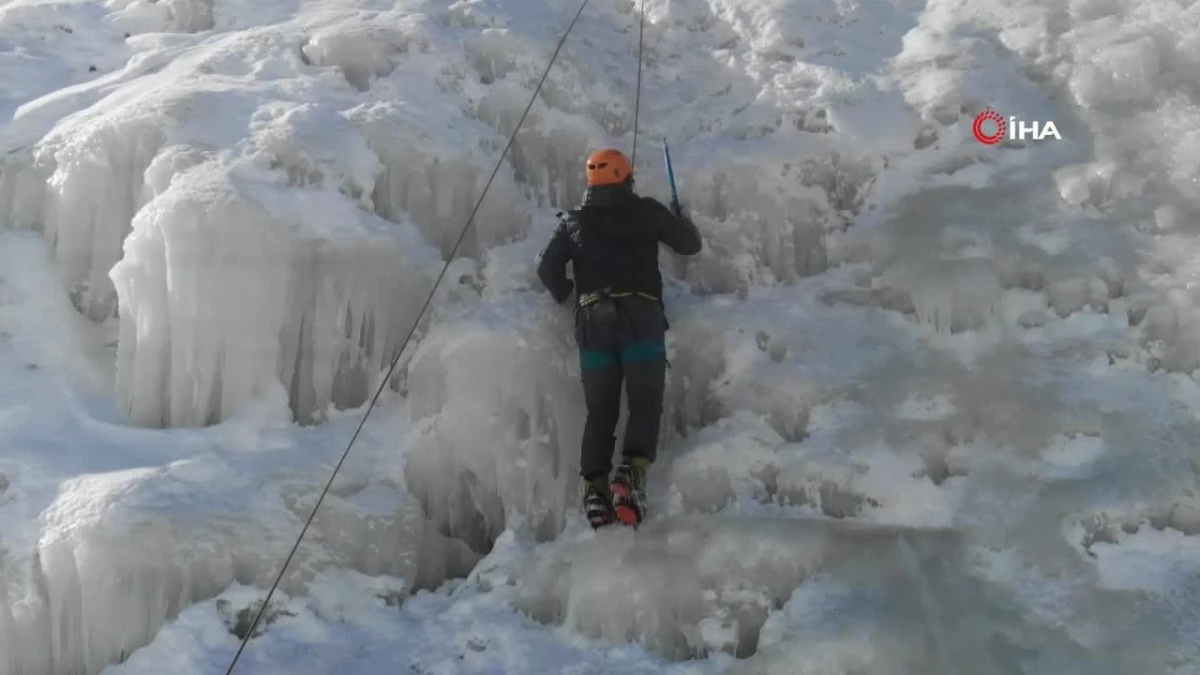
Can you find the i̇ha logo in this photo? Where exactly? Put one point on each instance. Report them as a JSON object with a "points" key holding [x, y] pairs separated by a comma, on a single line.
{"points": [[1012, 129]]}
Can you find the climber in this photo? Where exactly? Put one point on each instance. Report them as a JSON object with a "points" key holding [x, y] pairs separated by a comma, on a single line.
{"points": [[612, 240]]}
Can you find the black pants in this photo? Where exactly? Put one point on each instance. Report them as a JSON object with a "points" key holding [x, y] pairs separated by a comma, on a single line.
{"points": [[621, 341]]}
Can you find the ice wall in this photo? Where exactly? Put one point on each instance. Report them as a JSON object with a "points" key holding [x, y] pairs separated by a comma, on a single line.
{"points": [[435, 157], [325, 205], [497, 410], [280, 256], [683, 588], [435, 180], [188, 16], [1059, 219], [82, 196], [766, 590], [223, 299], [124, 552], [21, 191], [402, 118], [767, 222]]}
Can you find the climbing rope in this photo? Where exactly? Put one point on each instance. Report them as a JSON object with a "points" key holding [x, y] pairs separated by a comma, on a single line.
{"points": [[396, 360], [637, 97]]}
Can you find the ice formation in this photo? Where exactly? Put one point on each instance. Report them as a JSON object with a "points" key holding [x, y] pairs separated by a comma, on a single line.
{"points": [[118, 558], [187, 16], [337, 285], [684, 588], [496, 425], [917, 418], [135, 183], [222, 299]]}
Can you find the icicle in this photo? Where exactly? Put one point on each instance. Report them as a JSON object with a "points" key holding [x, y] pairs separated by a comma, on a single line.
{"points": [[93, 192]]}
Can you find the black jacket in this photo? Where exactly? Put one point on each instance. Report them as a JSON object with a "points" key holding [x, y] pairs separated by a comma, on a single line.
{"points": [[613, 239]]}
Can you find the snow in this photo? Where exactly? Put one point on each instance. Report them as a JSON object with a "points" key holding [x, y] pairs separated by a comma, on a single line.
{"points": [[931, 405]]}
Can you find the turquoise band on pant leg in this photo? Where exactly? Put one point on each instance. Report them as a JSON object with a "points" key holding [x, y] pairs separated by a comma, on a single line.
{"points": [[590, 359], [646, 350]]}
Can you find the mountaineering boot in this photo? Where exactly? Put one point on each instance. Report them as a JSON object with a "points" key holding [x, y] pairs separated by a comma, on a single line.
{"points": [[629, 490], [597, 504]]}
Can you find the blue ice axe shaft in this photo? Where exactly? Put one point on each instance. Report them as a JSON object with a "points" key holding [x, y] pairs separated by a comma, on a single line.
{"points": [[671, 177]]}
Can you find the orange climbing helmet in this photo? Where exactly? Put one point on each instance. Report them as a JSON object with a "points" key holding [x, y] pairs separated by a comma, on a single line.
{"points": [[608, 167]]}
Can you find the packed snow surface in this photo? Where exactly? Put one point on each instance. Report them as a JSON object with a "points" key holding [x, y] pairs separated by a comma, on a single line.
{"points": [[932, 404]]}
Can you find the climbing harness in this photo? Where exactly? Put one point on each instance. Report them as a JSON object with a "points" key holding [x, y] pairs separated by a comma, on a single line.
{"points": [[604, 302], [592, 298], [396, 360]]}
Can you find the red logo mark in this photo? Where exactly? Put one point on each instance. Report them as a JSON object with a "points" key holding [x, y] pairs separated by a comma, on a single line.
{"points": [[989, 116]]}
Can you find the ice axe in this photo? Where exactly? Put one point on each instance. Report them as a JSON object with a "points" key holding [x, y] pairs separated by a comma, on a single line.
{"points": [[671, 177]]}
